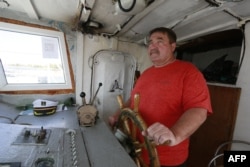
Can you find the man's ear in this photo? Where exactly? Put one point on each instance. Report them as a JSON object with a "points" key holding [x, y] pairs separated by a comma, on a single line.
{"points": [[173, 46]]}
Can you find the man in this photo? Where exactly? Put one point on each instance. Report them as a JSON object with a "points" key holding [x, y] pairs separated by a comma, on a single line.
{"points": [[174, 99]]}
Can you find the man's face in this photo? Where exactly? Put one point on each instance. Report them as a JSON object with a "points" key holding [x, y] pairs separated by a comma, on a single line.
{"points": [[160, 50]]}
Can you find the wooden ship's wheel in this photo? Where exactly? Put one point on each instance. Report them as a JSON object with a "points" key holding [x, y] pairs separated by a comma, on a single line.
{"points": [[128, 125]]}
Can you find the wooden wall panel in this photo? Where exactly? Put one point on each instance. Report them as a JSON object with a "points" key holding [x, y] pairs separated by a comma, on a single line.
{"points": [[218, 128]]}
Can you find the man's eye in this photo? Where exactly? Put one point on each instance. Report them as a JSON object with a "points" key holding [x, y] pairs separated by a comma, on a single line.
{"points": [[160, 42], [157, 42]]}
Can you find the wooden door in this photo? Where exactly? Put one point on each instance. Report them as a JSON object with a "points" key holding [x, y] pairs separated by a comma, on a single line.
{"points": [[218, 128]]}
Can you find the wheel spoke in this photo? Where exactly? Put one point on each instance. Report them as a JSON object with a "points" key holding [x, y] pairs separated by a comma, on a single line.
{"points": [[126, 126], [131, 124]]}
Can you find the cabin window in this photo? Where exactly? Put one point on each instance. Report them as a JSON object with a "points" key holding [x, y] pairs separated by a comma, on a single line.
{"points": [[32, 59], [217, 55]]}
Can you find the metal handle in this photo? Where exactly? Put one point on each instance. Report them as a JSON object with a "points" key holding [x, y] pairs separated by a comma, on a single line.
{"points": [[100, 84], [82, 95]]}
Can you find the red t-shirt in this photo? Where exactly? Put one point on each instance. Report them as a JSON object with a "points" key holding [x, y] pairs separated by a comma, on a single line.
{"points": [[165, 94]]}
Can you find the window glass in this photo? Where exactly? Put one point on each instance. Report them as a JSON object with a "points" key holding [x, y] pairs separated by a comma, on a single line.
{"points": [[216, 55], [33, 58]]}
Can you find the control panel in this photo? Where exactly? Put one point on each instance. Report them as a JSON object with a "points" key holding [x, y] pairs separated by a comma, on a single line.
{"points": [[40, 146]]}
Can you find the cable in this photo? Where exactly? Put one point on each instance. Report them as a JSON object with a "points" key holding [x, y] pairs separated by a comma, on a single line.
{"points": [[11, 121], [92, 74], [243, 49], [216, 155], [128, 9], [213, 160], [213, 3]]}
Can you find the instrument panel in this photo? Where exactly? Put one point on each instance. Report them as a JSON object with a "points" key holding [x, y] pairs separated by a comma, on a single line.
{"points": [[39, 146], [58, 140]]}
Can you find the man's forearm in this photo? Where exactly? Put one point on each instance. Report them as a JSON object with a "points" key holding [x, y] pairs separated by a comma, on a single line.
{"points": [[188, 123]]}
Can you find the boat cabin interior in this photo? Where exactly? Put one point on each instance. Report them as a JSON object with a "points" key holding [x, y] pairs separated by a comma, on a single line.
{"points": [[67, 65]]}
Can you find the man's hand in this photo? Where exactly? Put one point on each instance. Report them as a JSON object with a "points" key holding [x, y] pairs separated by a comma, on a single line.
{"points": [[186, 125], [112, 121], [160, 134]]}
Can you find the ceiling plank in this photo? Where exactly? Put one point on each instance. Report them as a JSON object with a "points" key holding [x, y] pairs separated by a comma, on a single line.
{"points": [[29, 9], [139, 16]]}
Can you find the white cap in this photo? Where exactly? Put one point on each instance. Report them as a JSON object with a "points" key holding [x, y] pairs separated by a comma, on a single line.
{"points": [[39, 103]]}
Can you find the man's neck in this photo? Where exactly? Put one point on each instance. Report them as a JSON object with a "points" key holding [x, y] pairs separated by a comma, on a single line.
{"points": [[169, 61]]}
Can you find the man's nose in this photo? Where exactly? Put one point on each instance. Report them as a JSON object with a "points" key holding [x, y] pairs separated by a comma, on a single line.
{"points": [[152, 45]]}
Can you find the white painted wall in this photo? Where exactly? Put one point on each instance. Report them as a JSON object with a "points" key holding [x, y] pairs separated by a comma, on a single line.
{"points": [[242, 126], [88, 45], [91, 45]]}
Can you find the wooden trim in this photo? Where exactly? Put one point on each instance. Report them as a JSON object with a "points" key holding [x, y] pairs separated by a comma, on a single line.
{"points": [[11, 21], [50, 92]]}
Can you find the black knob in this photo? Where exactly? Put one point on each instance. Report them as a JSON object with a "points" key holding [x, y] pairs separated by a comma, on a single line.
{"points": [[82, 94]]}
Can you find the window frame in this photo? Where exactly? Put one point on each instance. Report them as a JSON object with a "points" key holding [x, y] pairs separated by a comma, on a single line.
{"points": [[68, 87]]}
